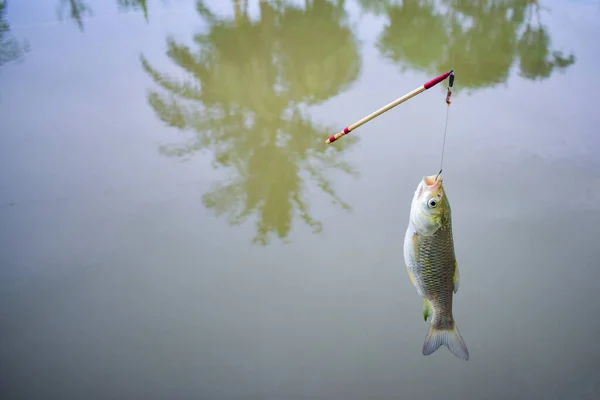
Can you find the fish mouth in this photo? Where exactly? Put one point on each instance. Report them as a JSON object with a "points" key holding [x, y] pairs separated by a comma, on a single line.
{"points": [[433, 181]]}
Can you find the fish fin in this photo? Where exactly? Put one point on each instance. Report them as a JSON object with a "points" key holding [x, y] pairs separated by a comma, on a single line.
{"points": [[456, 277], [414, 282], [412, 278], [415, 246], [426, 309], [411, 254], [450, 338]]}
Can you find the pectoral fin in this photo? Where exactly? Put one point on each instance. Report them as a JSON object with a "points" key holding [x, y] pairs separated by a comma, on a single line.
{"points": [[456, 277], [411, 248], [412, 278], [415, 246], [426, 309]]}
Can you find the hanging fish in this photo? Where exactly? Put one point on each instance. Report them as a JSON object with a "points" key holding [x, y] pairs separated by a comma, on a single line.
{"points": [[431, 264]]}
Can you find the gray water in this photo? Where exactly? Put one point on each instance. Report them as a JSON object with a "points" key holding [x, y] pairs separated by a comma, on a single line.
{"points": [[172, 225]]}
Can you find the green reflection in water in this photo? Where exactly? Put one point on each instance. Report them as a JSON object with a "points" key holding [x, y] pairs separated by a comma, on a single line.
{"points": [[10, 48], [248, 85], [481, 39], [77, 10], [134, 5]]}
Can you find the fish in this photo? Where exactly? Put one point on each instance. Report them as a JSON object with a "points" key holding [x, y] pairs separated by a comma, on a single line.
{"points": [[431, 264]]}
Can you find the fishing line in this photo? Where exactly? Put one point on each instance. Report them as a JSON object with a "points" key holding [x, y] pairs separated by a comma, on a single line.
{"points": [[444, 141], [448, 95]]}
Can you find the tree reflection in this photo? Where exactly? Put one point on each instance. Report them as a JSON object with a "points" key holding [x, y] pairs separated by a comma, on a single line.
{"points": [[77, 10], [482, 39], [10, 48], [135, 5], [245, 100]]}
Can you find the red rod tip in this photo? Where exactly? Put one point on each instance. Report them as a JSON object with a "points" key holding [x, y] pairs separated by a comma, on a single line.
{"points": [[437, 80]]}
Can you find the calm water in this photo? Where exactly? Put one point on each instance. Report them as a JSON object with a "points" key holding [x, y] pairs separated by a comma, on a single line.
{"points": [[172, 225]]}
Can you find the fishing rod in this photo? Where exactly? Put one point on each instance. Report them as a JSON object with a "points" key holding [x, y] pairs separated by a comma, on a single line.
{"points": [[400, 100]]}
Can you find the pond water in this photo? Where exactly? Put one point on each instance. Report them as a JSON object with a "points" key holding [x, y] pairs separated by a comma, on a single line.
{"points": [[172, 224]]}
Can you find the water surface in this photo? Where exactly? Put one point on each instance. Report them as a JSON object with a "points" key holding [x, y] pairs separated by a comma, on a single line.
{"points": [[172, 224]]}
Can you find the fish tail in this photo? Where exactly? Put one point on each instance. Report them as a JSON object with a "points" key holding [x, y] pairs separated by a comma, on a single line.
{"points": [[450, 338]]}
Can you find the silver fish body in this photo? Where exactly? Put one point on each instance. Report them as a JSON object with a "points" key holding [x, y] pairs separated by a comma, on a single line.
{"points": [[431, 264]]}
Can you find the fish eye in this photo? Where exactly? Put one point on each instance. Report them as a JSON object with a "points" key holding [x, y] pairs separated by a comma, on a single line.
{"points": [[432, 203]]}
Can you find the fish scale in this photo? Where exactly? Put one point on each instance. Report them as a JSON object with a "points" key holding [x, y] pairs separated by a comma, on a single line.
{"points": [[434, 272]]}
